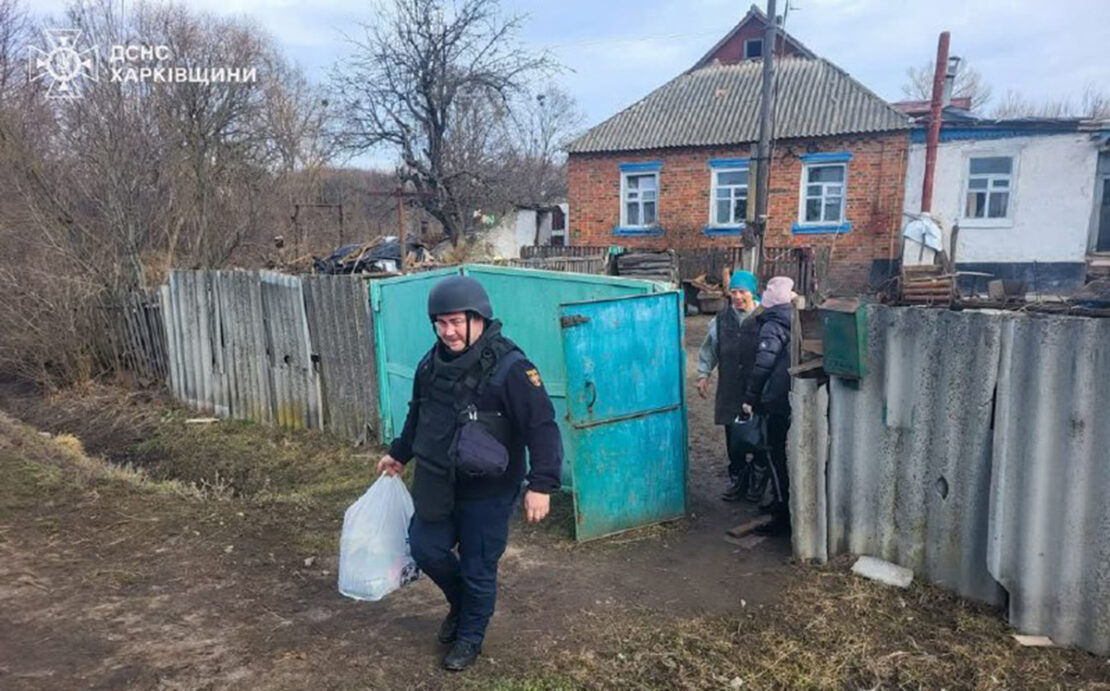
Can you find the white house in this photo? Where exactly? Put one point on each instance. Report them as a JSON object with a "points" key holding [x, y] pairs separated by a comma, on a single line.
{"points": [[527, 226], [1031, 198]]}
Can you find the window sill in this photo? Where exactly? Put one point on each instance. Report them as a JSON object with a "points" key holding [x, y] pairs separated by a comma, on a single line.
{"points": [[638, 231], [821, 228], [986, 223], [714, 231]]}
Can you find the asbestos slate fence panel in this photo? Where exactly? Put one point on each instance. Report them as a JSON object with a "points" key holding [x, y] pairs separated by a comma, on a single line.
{"points": [[245, 346], [910, 456], [341, 333], [296, 383], [186, 313], [807, 456], [1050, 494]]}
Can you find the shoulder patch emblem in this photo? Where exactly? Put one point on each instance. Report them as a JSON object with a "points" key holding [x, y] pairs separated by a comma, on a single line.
{"points": [[534, 377]]}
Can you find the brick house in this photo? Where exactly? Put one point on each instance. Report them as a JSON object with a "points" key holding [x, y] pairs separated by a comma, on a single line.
{"points": [[673, 170]]}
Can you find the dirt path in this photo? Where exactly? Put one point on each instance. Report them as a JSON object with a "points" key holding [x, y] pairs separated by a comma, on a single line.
{"points": [[110, 584]]}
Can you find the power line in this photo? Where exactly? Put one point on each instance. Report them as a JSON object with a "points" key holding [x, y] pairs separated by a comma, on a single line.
{"points": [[634, 39]]}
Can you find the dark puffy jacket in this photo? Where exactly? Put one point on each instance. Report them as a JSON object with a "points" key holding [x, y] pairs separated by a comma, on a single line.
{"points": [[769, 385], [737, 342]]}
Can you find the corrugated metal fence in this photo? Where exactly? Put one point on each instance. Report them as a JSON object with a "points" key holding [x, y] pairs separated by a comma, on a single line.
{"points": [[263, 346], [974, 451]]}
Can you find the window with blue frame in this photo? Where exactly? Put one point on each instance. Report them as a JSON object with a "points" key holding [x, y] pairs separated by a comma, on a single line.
{"points": [[822, 203], [824, 193], [730, 197], [640, 193]]}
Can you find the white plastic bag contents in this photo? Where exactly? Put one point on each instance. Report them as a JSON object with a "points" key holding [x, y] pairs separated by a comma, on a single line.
{"points": [[374, 557]]}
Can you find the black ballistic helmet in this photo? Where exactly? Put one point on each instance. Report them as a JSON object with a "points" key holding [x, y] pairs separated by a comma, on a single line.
{"points": [[459, 294]]}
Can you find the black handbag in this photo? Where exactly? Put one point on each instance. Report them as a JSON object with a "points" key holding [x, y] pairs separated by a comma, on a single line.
{"points": [[747, 435]]}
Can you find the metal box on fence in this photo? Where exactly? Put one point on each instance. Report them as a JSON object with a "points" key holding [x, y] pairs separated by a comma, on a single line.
{"points": [[844, 338]]}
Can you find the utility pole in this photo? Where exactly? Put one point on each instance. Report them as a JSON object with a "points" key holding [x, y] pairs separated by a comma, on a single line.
{"points": [[401, 195], [763, 156]]}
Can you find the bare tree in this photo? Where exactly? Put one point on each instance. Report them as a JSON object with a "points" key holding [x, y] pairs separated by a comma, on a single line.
{"points": [[100, 195], [969, 84], [539, 131], [15, 30], [1094, 103], [430, 80]]}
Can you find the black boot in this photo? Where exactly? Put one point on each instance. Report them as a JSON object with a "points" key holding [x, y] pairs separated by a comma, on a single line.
{"points": [[461, 656], [736, 491], [757, 485], [778, 527], [449, 629], [740, 480]]}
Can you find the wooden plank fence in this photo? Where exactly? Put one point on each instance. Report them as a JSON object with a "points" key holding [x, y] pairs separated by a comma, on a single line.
{"points": [[547, 251]]}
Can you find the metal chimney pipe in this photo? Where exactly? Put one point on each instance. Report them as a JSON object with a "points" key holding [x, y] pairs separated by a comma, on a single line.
{"points": [[936, 112]]}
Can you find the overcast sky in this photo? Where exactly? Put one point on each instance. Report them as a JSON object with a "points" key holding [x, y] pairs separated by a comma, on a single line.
{"points": [[616, 51]]}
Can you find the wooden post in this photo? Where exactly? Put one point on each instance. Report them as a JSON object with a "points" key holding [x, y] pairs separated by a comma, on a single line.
{"points": [[401, 228]]}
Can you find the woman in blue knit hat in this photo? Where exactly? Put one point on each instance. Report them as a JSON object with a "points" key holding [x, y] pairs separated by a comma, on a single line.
{"points": [[730, 347]]}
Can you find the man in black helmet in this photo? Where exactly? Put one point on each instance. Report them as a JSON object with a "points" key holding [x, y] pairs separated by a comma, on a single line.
{"points": [[477, 403]]}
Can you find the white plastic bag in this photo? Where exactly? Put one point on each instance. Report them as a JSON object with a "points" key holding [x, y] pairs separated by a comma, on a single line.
{"points": [[374, 557]]}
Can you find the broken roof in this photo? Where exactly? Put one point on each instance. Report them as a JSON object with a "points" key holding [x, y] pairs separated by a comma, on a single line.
{"points": [[719, 105]]}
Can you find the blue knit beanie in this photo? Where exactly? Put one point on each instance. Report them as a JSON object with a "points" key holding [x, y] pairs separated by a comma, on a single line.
{"points": [[744, 280]]}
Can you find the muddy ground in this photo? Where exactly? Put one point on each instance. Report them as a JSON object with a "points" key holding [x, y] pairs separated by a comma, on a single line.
{"points": [[212, 565]]}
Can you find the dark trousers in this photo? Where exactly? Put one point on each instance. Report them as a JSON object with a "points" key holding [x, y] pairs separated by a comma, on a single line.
{"points": [[778, 426], [737, 457], [480, 528]]}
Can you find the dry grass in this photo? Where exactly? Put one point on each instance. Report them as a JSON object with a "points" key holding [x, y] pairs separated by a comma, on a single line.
{"points": [[63, 458], [146, 432], [829, 630]]}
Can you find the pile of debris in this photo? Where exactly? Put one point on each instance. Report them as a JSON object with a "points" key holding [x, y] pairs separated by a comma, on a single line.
{"points": [[654, 266], [379, 256], [927, 284], [704, 294]]}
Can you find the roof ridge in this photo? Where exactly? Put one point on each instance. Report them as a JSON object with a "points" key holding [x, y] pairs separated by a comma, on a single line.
{"points": [[717, 105]]}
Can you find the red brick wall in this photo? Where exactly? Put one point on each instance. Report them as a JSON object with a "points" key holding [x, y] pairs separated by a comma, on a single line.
{"points": [[876, 177], [733, 50]]}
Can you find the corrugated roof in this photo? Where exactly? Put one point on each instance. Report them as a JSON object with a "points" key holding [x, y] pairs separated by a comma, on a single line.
{"points": [[719, 105]]}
